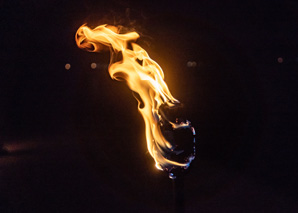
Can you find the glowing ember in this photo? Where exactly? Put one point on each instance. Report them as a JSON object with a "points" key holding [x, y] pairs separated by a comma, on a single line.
{"points": [[170, 140]]}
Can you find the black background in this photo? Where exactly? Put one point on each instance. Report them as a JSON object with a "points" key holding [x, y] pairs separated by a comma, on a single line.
{"points": [[76, 140]]}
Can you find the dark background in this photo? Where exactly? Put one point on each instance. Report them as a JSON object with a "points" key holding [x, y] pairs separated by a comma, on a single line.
{"points": [[75, 139]]}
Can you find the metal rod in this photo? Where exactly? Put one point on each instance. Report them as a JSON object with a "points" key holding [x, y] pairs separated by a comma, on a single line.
{"points": [[178, 194]]}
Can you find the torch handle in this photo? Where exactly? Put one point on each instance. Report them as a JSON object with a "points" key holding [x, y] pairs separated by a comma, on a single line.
{"points": [[178, 194]]}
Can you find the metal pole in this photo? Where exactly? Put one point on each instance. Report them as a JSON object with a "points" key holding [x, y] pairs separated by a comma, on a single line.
{"points": [[178, 194]]}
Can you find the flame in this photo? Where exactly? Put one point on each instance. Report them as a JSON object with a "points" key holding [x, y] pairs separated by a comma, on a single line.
{"points": [[131, 63]]}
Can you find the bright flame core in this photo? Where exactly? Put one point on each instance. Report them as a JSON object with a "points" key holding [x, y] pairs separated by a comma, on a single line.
{"points": [[143, 76]]}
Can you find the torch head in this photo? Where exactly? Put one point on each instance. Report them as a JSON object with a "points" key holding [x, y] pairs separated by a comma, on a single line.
{"points": [[181, 135]]}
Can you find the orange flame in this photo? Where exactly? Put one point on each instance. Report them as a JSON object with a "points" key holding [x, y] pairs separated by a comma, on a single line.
{"points": [[144, 76]]}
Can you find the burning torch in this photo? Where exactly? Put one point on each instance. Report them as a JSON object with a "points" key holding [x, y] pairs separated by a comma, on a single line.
{"points": [[170, 138]]}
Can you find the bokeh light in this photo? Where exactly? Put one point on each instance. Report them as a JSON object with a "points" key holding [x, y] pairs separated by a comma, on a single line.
{"points": [[191, 64], [67, 66], [93, 65], [280, 60]]}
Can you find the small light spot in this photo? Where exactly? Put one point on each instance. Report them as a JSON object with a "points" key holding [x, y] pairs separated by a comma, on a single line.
{"points": [[93, 65], [67, 66], [280, 60], [191, 64]]}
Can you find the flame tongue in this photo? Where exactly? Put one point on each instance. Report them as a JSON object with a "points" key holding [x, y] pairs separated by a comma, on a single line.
{"points": [[144, 76]]}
